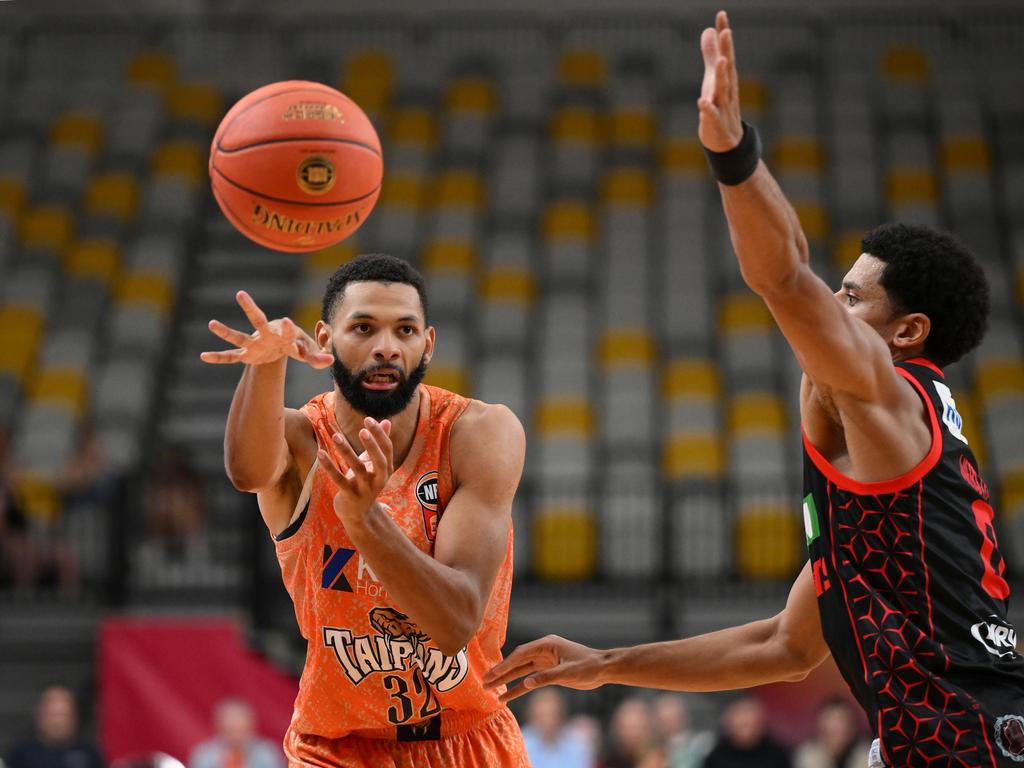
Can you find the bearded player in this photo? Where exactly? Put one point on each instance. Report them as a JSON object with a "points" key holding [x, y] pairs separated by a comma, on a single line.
{"points": [[905, 584], [389, 503]]}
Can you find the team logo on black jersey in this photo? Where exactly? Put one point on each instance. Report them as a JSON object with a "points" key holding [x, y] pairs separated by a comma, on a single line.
{"points": [[996, 635], [426, 495], [1010, 737]]}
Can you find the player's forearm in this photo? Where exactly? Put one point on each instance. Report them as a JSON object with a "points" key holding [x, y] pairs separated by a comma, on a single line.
{"points": [[765, 231], [435, 596], [738, 657], [254, 440]]}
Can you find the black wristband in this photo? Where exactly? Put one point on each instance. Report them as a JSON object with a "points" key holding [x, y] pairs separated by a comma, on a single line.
{"points": [[739, 163]]}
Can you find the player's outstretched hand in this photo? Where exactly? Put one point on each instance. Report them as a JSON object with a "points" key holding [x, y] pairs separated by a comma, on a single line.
{"points": [[719, 103], [269, 341], [552, 660], [366, 474]]}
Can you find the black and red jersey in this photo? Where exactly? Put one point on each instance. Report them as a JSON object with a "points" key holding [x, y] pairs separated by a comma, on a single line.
{"points": [[913, 600]]}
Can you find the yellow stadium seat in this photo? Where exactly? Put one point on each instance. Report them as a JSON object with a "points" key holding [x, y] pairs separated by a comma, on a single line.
{"points": [[911, 185], [459, 188], [59, 386], [999, 377], [200, 102], [472, 94], [576, 125], [564, 416], [846, 251], [147, 289], [327, 260], [583, 69], [95, 259], [449, 256], [691, 377], [113, 193], [402, 190], [48, 226], [12, 196], [1012, 499], [152, 68], [182, 158], [20, 331], [627, 348], [798, 154], [631, 128], [564, 543], [694, 457], [508, 285], [627, 186], [741, 311], [768, 543], [966, 153], [904, 62], [447, 376], [77, 129], [307, 313], [369, 79], [683, 156], [813, 219], [757, 412], [415, 126], [568, 220], [753, 95], [38, 496]]}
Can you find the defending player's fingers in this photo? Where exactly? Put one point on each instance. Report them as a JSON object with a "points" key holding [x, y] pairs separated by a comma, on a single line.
{"points": [[230, 335], [378, 460], [382, 438], [307, 352], [332, 469], [357, 468], [224, 357], [251, 309]]}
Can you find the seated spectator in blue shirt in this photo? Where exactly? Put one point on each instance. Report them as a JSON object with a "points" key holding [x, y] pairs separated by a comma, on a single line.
{"points": [[236, 744], [548, 742]]}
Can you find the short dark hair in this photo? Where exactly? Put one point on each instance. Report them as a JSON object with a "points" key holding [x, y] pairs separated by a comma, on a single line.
{"points": [[935, 274], [373, 268]]}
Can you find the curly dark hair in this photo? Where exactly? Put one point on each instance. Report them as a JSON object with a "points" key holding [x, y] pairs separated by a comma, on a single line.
{"points": [[935, 274], [374, 268]]}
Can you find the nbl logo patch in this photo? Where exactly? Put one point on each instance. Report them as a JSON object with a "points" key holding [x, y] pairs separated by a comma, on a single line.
{"points": [[1009, 733], [426, 495]]}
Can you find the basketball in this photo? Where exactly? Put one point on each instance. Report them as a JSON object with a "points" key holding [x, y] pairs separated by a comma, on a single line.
{"points": [[296, 166]]}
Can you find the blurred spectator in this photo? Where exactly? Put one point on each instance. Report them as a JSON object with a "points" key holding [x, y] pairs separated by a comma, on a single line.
{"points": [[56, 743], [17, 564], [588, 730], [684, 748], [549, 743], [745, 740], [633, 741], [175, 521], [236, 744], [836, 744]]}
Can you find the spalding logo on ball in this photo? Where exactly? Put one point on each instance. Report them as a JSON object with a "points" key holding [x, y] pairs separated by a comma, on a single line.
{"points": [[296, 166]]}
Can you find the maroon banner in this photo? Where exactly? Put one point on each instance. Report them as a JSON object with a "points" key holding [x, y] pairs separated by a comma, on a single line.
{"points": [[160, 680]]}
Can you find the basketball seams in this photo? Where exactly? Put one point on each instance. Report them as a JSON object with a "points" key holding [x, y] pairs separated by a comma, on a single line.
{"points": [[303, 139], [306, 204]]}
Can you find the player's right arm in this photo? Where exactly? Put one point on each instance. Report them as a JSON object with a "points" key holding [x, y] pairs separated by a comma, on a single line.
{"points": [[261, 433], [785, 647]]}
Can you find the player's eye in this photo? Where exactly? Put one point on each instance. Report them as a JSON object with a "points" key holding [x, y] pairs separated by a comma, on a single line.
{"points": [[851, 299], [361, 328], [408, 330]]}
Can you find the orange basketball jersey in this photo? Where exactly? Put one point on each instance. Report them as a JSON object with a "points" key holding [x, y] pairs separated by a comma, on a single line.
{"points": [[370, 671]]}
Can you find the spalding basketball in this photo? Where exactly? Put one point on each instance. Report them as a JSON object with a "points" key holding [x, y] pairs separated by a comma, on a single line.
{"points": [[296, 166]]}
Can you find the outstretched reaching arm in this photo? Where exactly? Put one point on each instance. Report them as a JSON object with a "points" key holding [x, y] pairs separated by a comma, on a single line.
{"points": [[784, 647]]}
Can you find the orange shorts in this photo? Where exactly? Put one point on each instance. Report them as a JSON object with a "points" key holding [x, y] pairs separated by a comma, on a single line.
{"points": [[495, 743]]}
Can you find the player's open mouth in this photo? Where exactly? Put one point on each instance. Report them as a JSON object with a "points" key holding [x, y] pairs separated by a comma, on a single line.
{"points": [[381, 381]]}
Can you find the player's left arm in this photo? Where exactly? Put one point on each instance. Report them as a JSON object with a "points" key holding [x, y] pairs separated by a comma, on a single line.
{"points": [[445, 595]]}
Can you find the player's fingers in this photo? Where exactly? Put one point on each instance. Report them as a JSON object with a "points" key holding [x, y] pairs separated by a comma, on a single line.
{"points": [[252, 311], [348, 454], [725, 45], [223, 357], [709, 47], [513, 693], [532, 683], [306, 353], [376, 454], [721, 21], [503, 675], [331, 468], [230, 335], [383, 439], [522, 654]]}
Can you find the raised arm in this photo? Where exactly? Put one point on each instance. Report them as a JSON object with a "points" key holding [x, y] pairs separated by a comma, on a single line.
{"points": [[256, 440], [836, 350], [445, 595], [783, 648]]}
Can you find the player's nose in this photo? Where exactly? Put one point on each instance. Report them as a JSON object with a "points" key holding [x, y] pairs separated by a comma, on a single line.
{"points": [[386, 347]]}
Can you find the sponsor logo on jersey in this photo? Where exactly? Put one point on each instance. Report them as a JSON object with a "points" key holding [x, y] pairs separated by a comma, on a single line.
{"points": [[426, 495], [398, 645], [335, 561], [1009, 733], [950, 416], [810, 519], [996, 635], [973, 478]]}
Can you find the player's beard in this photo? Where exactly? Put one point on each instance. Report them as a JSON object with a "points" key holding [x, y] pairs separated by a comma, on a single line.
{"points": [[377, 405]]}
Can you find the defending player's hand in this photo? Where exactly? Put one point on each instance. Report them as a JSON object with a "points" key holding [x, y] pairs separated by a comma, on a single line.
{"points": [[719, 103], [269, 341], [367, 473], [552, 660]]}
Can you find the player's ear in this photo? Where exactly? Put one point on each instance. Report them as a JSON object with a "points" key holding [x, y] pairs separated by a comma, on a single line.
{"points": [[428, 350], [912, 331], [322, 334]]}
